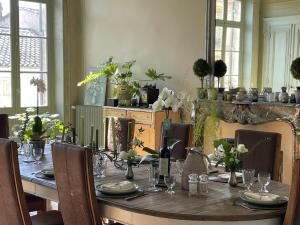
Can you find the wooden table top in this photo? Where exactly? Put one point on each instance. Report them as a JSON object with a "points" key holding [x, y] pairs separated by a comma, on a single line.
{"points": [[218, 205]]}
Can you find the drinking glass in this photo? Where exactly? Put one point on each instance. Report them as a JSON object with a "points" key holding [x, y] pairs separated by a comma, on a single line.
{"points": [[248, 178], [264, 180], [170, 181], [179, 165], [101, 165], [154, 178], [27, 148], [37, 153]]}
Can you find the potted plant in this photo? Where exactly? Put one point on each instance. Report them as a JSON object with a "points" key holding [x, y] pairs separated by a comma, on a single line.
{"points": [[120, 76], [201, 69], [220, 70], [150, 92], [295, 70]]}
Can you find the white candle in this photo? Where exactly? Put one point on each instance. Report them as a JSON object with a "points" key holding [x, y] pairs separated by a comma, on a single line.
{"points": [[82, 131], [113, 127]]}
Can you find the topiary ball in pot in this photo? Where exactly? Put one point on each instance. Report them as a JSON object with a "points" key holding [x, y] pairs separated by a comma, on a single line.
{"points": [[220, 70], [295, 70], [201, 69]]}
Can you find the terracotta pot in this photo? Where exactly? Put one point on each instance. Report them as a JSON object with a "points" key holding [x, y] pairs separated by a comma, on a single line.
{"points": [[124, 96]]}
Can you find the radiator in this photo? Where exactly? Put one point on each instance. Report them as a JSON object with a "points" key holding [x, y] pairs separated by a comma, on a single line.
{"points": [[93, 116]]}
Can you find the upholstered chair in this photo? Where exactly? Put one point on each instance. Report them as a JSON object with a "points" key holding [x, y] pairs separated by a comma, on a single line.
{"points": [[4, 126], [13, 207], [264, 151]]}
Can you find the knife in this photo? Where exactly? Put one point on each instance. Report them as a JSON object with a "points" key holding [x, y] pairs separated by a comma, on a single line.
{"points": [[135, 196]]}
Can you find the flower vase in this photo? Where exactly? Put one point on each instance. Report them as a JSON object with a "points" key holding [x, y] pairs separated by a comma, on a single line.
{"points": [[232, 179], [129, 173]]}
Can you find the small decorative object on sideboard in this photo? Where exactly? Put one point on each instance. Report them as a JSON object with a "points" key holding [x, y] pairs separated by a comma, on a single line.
{"points": [[295, 70], [241, 95], [253, 95], [292, 99], [212, 94], [112, 102], [201, 69], [283, 96], [219, 72]]}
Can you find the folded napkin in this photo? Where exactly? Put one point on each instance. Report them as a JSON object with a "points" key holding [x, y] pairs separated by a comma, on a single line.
{"points": [[266, 197], [119, 186]]}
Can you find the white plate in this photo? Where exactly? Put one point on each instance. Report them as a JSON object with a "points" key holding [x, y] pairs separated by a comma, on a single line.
{"points": [[278, 201], [227, 175], [112, 191]]}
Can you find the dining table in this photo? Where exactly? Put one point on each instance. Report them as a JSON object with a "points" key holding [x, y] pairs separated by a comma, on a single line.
{"points": [[221, 205]]}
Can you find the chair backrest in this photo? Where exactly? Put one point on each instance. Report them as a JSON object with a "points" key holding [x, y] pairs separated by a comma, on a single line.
{"points": [[180, 131], [122, 131], [13, 209], [292, 216], [73, 171], [264, 151], [4, 126]]}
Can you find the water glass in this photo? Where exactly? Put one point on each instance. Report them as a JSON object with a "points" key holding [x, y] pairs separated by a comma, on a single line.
{"points": [[100, 163], [264, 179], [170, 181], [248, 178], [154, 178], [27, 151], [203, 184], [37, 153], [179, 166]]}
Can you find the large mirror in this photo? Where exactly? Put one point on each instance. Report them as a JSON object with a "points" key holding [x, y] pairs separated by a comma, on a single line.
{"points": [[258, 40]]}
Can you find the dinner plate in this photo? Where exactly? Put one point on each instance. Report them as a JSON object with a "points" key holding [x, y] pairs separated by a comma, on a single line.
{"points": [[280, 200], [112, 189], [49, 172]]}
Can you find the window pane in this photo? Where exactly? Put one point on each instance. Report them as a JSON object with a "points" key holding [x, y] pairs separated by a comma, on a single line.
{"points": [[5, 16], [219, 35], [220, 9], [234, 10], [32, 19], [28, 91], [218, 55], [233, 39], [33, 54], [5, 53], [5, 90], [232, 62], [231, 82]]}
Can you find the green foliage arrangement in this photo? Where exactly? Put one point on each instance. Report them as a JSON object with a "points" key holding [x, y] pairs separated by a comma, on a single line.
{"points": [[154, 75], [201, 69], [220, 70], [32, 127], [295, 68], [118, 74]]}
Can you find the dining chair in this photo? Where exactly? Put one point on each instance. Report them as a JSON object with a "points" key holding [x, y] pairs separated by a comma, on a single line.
{"points": [[34, 203], [122, 131], [180, 131], [13, 208], [292, 215], [4, 126], [264, 151]]}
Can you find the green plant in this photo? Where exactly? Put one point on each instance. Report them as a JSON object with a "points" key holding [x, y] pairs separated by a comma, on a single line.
{"points": [[118, 74], [201, 69], [220, 70], [295, 68], [206, 109], [153, 75], [28, 127]]}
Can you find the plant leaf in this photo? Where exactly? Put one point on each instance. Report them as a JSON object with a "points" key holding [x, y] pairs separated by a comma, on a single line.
{"points": [[172, 143], [149, 150]]}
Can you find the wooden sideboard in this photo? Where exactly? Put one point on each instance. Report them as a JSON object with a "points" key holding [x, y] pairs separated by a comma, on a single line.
{"points": [[145, 119]]}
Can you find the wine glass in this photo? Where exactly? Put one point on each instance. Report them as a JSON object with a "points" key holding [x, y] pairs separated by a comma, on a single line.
{"points": [[179, 166], [37, 153], [170, 181], [248, 178], [101, 165], [154, 178], [27, 148], [264, 179]]}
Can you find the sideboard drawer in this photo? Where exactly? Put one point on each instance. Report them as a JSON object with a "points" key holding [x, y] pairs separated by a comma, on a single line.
{"points": [[115, 113], [140, 116]]}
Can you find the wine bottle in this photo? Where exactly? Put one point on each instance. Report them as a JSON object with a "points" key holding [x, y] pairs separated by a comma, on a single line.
{"points": [[164, 158]]}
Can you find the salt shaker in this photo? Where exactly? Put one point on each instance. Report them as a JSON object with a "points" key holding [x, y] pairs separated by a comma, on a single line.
{"points": [[193, 184], [203, 184]]}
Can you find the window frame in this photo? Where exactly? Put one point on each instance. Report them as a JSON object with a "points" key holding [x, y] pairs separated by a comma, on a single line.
{"points": [[232, 24], [15, 59]]}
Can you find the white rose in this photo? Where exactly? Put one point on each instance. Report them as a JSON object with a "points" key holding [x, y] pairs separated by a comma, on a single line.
{"points": [[241, 148], [170, 101], [165, 93], [123, 155]]}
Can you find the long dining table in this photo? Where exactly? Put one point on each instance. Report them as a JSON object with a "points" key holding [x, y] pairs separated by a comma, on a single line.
{"points": [[219, 206]]}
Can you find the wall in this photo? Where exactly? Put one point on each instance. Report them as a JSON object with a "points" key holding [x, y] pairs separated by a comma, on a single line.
{"points": [[168, 35]]}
